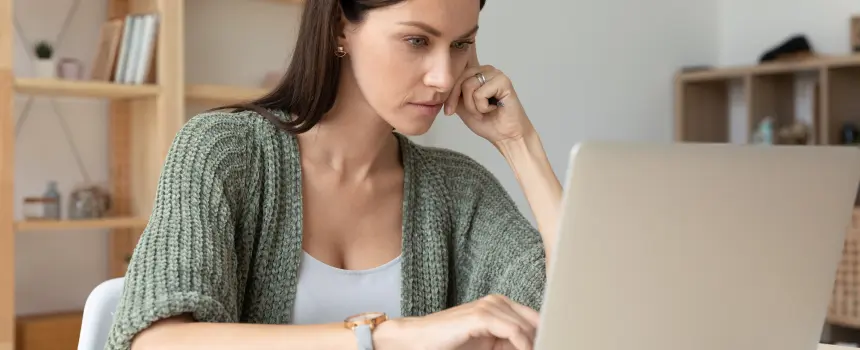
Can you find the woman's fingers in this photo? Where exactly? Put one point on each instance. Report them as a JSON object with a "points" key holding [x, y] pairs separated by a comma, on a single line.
{"points": [[493, 322], [510, 332], [470, 85], [529, 314], [453, 100], [529, 317], [504, 321], [466, 86], [512, 319], [494, 88]]}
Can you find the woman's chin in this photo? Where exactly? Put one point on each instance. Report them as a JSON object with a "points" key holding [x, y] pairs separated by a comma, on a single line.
{"points": [[413, 128]]}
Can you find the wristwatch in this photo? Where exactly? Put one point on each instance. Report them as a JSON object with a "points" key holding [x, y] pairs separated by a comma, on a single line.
{"points": [[363, 325]]}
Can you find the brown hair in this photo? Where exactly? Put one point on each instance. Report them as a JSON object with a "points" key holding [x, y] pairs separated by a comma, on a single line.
{"points": [[309, 88]]}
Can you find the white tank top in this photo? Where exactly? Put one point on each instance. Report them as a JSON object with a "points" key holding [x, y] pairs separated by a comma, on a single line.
{"points": [[326, 294]]}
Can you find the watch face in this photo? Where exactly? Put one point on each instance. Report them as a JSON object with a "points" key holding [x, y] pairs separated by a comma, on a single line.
{"points": [[370, 315]]}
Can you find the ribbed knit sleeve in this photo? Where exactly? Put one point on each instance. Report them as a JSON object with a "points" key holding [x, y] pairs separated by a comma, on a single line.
{"points": [[185, 261], [498, 250], [510, 247]]}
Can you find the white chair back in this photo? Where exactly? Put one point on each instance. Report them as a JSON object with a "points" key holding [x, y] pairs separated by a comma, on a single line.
{"points": [[98, 314]]}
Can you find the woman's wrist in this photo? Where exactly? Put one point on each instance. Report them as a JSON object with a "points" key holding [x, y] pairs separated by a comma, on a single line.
{"points": [[531, 166], [527, 145], [387, 335]]}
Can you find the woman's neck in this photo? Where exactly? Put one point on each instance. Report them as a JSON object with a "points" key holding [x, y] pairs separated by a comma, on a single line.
{"points": [[351, 138]]}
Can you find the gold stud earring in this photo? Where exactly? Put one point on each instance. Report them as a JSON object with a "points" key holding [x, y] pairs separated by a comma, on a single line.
{"points": [[340, 52]]}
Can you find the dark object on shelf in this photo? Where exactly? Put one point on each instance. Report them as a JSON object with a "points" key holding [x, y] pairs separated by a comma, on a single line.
{"points": [[855, 33], [849, 134], [794, 47], [857, 199]]}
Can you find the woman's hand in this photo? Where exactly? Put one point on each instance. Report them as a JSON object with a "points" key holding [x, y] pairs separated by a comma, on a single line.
{"points": [[507, 120], [508, 128], [491, 323]]}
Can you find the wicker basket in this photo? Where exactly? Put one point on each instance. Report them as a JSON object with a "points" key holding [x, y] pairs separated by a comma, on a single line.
{"points": [[844, 309]]}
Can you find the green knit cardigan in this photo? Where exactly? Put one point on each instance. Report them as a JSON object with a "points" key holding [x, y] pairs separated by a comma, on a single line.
{"points": [[224, 239]]}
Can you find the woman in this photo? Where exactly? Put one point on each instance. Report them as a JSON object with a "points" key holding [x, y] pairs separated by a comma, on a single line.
{"points": [[275, 222]]}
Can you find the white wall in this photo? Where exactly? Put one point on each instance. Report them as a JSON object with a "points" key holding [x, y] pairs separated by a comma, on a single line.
{"points": [[236, 42], [587, 70]]}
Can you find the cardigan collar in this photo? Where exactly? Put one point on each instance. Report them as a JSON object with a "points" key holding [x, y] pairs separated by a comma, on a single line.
{"points": [[426, 232]]}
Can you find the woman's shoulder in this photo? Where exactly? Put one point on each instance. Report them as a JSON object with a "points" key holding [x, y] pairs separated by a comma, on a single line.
{"points": [[224, 123], [229, 131], [451, 162], [226, 145], [462, 174]]}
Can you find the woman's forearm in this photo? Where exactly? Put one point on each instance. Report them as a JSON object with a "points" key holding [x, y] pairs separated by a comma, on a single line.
{"points": [[180, 333], [530, 164]]}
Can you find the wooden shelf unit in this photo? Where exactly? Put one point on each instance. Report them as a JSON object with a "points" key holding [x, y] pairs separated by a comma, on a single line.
{"points": [[143, 120], [702, 98], [88, 89], [65, 225]]}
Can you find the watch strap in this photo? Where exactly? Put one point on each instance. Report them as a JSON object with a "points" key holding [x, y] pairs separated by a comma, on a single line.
{"points": [[363, 336]]}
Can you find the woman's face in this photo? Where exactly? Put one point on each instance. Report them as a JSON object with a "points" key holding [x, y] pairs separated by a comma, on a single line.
{"points": [[406, 58]]}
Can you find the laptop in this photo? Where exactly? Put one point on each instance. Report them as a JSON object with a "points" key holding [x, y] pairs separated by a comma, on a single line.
{"points": [[697, 246]]}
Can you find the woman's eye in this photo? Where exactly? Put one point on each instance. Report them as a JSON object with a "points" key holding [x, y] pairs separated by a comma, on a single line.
{"points": [[461, 45], [417, 41]]}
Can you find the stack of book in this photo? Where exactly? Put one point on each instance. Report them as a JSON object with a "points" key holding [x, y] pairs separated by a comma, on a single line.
{"points": [[127, 49]]}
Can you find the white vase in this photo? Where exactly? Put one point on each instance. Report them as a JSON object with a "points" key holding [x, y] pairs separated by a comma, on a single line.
{"points": [[45, 68]]}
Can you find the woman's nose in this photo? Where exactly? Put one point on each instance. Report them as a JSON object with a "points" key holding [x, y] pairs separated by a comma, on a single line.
{"points": [[439, 75]]}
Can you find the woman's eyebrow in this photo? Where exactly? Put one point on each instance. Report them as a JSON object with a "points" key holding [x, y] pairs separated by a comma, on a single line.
{"points": [[433, 31]]}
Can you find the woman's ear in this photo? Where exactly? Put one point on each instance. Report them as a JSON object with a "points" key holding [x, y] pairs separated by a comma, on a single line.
{"points": [[342, 27]]}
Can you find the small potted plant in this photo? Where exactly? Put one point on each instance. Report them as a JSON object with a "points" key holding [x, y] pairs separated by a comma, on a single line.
{"points": [[45, 66]]}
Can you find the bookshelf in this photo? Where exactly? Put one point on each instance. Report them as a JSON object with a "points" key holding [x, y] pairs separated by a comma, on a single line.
{"points": [[143, 118], [65, 225], [703, 98], [90, 89]]}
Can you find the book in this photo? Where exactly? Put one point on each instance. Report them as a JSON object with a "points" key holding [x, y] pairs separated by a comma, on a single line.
{"points": [[104, 61], [135, 60]]}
